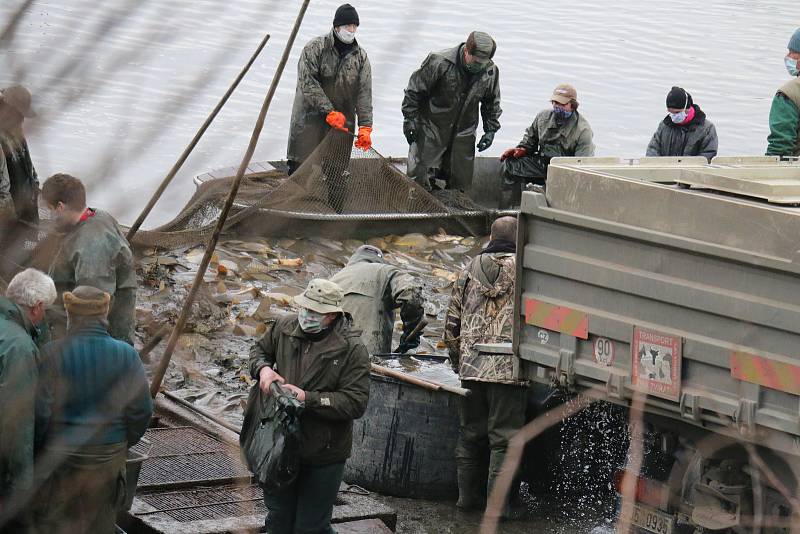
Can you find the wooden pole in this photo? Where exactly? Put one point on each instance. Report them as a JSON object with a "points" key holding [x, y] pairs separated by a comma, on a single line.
{"points": [[190, 147], [158, 377], [427, 384], [201, 411]]}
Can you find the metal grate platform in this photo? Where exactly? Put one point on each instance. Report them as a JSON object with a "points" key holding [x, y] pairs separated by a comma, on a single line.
{"points": [[184, 456], [207, 503]]}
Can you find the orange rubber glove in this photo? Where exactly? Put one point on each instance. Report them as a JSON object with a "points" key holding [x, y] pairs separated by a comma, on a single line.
{"points": [[514, 153], [337, 120], [364, 141]]}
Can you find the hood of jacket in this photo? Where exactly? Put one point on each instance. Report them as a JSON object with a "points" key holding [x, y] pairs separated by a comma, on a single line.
{"points": [[698, 119], [365, 257], [11, 312], [485, 269]]}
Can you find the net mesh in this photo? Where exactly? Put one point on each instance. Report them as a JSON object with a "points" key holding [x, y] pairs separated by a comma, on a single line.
{"points": [[337, 181]]}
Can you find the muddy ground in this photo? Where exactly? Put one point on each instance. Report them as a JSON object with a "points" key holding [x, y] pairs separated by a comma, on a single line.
{"points": [[252, 279]]}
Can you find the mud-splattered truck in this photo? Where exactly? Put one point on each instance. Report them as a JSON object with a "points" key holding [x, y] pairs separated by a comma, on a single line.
{"points": [[674, 285]]}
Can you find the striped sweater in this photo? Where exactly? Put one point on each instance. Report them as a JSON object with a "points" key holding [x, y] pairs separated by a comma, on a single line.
{"points": [[93, 390]]}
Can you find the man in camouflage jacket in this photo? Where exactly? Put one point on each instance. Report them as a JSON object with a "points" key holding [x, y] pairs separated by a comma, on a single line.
{"points": [[481, 311]]}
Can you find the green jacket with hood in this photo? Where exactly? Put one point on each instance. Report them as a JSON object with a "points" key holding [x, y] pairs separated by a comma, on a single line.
{"points": [[784, 121], [698, 138], [372, 290], [552, 138], [328, 81], [336, 382], [443, 100], [19, 374]]}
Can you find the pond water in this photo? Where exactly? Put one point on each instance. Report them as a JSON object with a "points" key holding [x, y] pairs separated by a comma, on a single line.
{"points": [[121, 86]]}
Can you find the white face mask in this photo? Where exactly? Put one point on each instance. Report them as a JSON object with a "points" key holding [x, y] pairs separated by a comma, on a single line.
{"points": [[345, 36]]}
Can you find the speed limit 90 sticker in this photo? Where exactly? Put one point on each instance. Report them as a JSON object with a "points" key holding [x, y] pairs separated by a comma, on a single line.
{"points": [[604, 350]]}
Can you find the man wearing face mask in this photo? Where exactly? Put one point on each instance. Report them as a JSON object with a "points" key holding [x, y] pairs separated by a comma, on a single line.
{"points": [[685, 131], [334, 86], [440, 112], [320, 358], [784, 116], [558, 131]]}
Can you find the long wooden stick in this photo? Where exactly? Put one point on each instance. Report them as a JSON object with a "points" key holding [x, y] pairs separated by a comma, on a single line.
{"points": [[201, 411], [427, 384], [190, 147], [158, 377]]}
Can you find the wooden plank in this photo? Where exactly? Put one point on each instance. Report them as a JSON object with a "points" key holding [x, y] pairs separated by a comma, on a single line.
{"points": [[365, 526]]}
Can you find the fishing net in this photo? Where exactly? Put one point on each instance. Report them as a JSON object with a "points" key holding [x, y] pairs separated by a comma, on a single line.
{"points": [[336, 183]]}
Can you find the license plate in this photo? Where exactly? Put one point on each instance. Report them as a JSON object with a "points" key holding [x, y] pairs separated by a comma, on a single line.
{"points": [[652, 520]]}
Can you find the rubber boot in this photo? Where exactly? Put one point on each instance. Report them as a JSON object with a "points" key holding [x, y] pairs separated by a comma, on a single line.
{"points": [[506, 198], [470, 489], [512, 508]]}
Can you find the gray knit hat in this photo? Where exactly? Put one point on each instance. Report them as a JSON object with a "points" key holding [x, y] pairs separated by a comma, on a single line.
{"points": [[794, 42]]}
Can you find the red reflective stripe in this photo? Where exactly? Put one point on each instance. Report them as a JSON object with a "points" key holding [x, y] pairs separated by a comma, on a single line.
{"points": [[557, 318]]}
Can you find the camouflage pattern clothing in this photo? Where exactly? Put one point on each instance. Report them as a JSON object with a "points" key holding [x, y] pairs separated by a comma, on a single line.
{"points": [[481, 311], [328, 81], [96, 253], [442, 99]]}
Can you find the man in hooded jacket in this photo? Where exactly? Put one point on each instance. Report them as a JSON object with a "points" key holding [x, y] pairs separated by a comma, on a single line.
{"points": [[334, 86], [372, 290], [784, 116], [440, 111], [481, 310], [685, 131]]}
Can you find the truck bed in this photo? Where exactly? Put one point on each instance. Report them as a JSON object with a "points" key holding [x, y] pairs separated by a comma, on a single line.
{"points": [[691, 297]]}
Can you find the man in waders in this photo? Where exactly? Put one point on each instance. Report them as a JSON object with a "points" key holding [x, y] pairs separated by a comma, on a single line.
{"points": [[440, 112], [784, 116], [481, 310], [373, 289]]}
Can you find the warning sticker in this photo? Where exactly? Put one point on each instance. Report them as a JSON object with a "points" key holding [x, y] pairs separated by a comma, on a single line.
{"points": [[656, 363]]}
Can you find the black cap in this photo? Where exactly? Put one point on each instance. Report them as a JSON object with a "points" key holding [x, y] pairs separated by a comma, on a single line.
{"points": [[678, 98], [346, 14]]}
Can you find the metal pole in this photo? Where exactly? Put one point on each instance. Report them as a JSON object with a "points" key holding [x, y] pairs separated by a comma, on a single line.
{"points": [[188, 150], [158, 377]]}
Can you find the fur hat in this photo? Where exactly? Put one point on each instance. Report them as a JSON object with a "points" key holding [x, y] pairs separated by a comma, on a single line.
{"points": [[87, 300]]}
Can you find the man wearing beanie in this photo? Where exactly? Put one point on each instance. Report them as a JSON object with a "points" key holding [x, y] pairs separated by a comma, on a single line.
{"points": [[784, 117], [559, 130], [95, 404], [440, 111], [334, 90], [685, 131], [92, 251]]}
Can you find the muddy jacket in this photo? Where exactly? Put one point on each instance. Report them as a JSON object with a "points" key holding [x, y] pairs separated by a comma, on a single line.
{"points": [[19, 359], [23, 182], [372, 291], [698, 138], [336, 383], [95, 253], [548, 137], [442, 99], [784, 121], [481, 311], [328, 82]]}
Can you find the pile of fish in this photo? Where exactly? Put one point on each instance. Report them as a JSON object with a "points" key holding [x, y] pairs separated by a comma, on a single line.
{"points": [[252, 280]]}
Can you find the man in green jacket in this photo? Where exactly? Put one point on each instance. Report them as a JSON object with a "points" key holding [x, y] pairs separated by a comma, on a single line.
{"points": [[321, 359], [784, 116], [334, 86], [373, 289], [92, 251], [440, 111], [557, 131], [21, 314]]}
